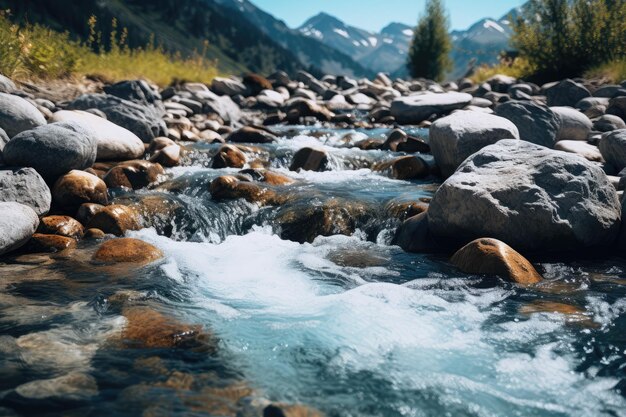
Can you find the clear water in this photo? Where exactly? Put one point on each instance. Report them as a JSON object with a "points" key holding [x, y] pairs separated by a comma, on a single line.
{"points": [[347, 325]]}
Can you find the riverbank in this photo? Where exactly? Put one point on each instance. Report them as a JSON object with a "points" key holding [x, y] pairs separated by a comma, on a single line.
{"points": [[217, 249]]}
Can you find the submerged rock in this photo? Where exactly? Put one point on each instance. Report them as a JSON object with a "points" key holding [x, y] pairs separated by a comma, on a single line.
{"points": [[249, 134], [528, 196], [228, 187], [455, 137], [18, 222], [74, 386], [25, 186], [493, 257], [309, 159], [404, 167], [229, 156], [127, 250], [41, 242]]}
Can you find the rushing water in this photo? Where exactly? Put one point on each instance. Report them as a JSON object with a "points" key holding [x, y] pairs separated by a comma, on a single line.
{"points": [[347, 325]]}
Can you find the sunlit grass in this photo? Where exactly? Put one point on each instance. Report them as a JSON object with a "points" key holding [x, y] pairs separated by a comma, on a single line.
{"points": [[34, 52], [614, 72]]}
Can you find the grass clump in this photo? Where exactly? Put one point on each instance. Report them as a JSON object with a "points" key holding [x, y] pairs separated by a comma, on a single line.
{"points": [[517, 68], [614, 72], [36, 52]]}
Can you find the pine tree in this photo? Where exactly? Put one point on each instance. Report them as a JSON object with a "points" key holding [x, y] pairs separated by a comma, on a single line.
{"points": [[429, 53]]}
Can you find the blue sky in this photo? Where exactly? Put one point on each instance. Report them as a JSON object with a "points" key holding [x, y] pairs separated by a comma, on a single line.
{"points": [[373, 15]]}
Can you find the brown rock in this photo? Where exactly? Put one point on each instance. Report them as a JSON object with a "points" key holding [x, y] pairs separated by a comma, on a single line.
{"points": [[309, 159], [250, 134], [115, 219], [404, 209], [369, 144], [133, 174], [94, 234], [413, 235], [493, 257], [159, 143], [228, 187], [413, 145], [394, 138], [86, 211], [228, 156], [256, 83], [301, 107], [405, 167], [61, 225], [148, 328], [127, 250], [274, 178], [78, 187], [168, 156], [49, 243], [211, 136]]}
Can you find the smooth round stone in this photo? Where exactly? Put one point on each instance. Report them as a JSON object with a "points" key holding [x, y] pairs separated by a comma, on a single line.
{"points": [[18, 115], [608, 123], [26, 186], [229, 156], [115, 143], [453, 138], [61, 225], [133, 174], [584, 149], [416, 108], [53, 149], [310, 159], [574, 125], [613, 148], [115, 219], [79, 187], [18, 222], [127, 250]]}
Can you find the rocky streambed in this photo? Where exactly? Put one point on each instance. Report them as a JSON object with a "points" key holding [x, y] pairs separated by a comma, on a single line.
{"points": [[278, 247]]}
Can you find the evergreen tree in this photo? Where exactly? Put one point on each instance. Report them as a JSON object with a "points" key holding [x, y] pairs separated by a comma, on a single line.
{"points": [[429, 53]]}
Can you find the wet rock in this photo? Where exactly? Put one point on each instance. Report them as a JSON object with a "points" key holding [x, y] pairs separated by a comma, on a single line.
{"points": [[285, 410], [249, 134], [587, 151], [18, 115], [574, 125], [86, 211], [566, 93], [404, 168], [416, 108], [115, 219], [61, 225], [18, 222], [25, 186], [402, 210], [229, 156], [133, 174], [304, 222], [49, 243], [414, 235], [309, 159], [144, 121], [52, 150], [493, 257], [228, 187], [94, 234], [453, 138], [74, 386], [394, 138], [127, 250], [269, 177], [534, 199], [78, 187], [613, 148], [114, 142], [572, 313], [168, 156]]}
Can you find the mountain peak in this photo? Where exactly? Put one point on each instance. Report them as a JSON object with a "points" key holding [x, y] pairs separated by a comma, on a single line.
{"points": [[322, 19], [397, 29]]}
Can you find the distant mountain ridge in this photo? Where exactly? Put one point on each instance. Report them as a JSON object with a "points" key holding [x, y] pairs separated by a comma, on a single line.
{"points": [[387, 51]]}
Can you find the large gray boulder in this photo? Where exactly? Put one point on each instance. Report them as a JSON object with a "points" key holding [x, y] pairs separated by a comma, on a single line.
{"points": [[114, 142], [566, 93], [18, 115], [536, 123], [531, 197], [144, 121], [138, 91], [613, 148], [227, 86], [453, 138], [418, 107], [17, 224], [573, 125], [53, 149], [223, 106], [25, 186]]}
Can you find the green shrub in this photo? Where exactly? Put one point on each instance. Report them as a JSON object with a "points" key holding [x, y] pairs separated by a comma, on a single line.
{"points": [[565, 38]]}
